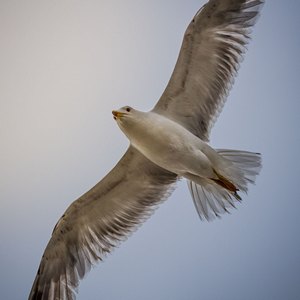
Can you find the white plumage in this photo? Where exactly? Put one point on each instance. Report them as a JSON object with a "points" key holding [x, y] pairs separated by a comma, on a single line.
{"points": [[214, 176], [167, 143]]}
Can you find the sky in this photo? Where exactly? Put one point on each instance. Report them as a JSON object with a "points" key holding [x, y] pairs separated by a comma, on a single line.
{"points": [[64, 65]]}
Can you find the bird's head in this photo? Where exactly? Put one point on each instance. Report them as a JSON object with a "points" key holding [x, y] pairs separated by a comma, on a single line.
{"points": [[126, 117], [123, 113], [129, 120]]}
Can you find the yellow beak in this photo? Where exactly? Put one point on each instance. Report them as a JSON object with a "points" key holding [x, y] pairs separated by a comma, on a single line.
{"points": [[117, 114]]}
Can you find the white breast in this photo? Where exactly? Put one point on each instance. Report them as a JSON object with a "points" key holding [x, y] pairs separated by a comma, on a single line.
{"points": [[166, 143]]}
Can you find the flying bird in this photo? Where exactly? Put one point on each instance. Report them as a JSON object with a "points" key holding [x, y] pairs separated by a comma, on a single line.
{"points": [[168, 143]]}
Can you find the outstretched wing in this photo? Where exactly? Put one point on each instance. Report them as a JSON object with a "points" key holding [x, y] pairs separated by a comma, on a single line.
{"points": [[210, 55], [97, 222]]}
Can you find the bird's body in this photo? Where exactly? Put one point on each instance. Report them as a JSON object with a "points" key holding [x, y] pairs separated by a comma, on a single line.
{"points": [[174, 148], [166, 144]]}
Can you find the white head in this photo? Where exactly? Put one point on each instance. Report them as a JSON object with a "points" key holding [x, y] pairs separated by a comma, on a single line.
{"points": [[122, 113], [128, 119]]}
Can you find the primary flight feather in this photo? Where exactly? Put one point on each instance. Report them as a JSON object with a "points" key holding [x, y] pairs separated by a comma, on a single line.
{"points": [[166, 144]]}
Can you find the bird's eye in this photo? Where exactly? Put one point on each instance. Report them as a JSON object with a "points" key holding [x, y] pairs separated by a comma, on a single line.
{"points": [[128, 109]]}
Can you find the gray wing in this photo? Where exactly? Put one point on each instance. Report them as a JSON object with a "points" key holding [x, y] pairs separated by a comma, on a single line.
{"points": [[97, 222], [212, 49]]}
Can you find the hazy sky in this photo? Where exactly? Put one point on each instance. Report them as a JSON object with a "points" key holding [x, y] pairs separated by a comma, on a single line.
{"points": [[64, 65]]}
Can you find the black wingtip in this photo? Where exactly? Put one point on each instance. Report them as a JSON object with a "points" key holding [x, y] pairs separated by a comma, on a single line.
{"points": [[35, 294]]}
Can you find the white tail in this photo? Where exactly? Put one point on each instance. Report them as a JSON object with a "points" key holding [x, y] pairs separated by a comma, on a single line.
{"points": [[239, 168]]}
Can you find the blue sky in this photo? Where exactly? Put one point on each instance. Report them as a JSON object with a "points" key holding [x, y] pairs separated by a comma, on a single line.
{"points": [[64, 66]]}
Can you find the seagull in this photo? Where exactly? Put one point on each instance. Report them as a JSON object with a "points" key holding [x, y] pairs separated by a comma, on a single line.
{"points": [[168, 143]]}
